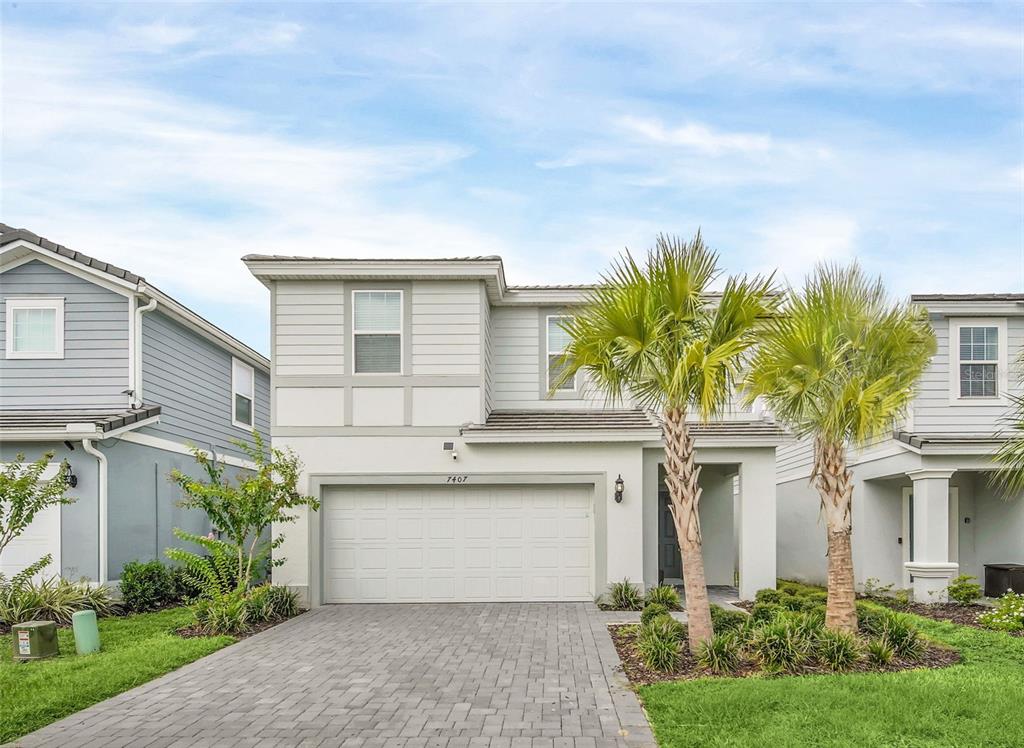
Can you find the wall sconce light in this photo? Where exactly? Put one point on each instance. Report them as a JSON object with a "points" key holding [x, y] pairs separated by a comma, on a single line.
{"points": [[620, 486], [69, 477]]}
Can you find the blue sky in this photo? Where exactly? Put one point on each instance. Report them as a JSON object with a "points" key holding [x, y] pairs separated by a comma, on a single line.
{"points": [[173, 139]]}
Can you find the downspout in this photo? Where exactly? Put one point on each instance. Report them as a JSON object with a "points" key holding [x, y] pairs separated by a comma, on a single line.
{"points": [[101, 459], [137, 352]]}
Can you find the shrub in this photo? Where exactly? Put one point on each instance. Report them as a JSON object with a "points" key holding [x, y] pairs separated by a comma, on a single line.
{"points": [[963, 590], [223, 614], [809, 624], [871, 620], [879, 651], [53, 599], [652, 610], [837, 650], [257, 604], [765, 612], [213, 574], [903, 636], [1007, 615], [659, 643], [624, 596], [146, 585], [284, 603], [779, 646], [720, 654], [797, 602], [768, 595], [183, 588], [723, 620], [664, 595]]}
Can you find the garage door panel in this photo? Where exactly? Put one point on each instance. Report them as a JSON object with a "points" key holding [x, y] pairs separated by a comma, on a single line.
{"points": [[428, 543]]}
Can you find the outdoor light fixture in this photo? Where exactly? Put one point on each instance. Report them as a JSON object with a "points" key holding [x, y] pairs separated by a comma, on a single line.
{"points": [[70, 478], [620, 486]]}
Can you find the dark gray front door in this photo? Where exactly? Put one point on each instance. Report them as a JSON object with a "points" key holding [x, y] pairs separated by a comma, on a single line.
{"points": [[669, 562]]}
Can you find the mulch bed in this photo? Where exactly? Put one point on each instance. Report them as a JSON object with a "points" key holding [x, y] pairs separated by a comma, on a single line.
{"points": [[624, 637], [963, 615], [193, 632]]}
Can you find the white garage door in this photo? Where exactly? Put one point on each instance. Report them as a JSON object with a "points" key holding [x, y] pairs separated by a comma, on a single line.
{"points": [[447, 544], [42, 536]]}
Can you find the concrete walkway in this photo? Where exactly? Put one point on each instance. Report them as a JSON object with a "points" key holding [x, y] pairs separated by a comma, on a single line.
{"points": [[386, 675]]}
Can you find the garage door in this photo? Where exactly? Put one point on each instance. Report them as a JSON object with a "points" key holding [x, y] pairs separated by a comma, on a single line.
{"points": [[448, 544]]}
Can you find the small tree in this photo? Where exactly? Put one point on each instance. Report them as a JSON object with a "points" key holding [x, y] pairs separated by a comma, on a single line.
{"points": [[242, 510], [23, 494]]}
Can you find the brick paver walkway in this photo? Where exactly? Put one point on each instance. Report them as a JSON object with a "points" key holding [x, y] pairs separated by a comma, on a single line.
{"points": [[386, 675]]}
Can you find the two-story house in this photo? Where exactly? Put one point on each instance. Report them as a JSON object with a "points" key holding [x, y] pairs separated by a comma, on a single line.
{"points": [[924, 508], [417, 393], [117, 379]]}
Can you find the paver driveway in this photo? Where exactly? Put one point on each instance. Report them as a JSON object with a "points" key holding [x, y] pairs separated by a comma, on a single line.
{"points": [[396, 675]]}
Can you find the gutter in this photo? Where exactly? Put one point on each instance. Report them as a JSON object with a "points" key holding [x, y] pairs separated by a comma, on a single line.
{"points": [[136, 352], [89, 447]]}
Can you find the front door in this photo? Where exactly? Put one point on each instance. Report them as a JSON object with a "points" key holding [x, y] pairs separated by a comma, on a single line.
{"points": [[670, 565]]}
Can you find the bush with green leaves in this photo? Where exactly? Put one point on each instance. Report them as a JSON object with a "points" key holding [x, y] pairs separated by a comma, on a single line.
{"points": [[652, 610], [836, 650], [146, 585], [964, 590], [659, 643], [879, 651], [768, 595], [721, 654], [808, 623], [779, 646], [723, 620], [54, 599], [212, 574], [765, 612], [664, 595], [1007, 615], [904, 637], [871, 620], [226, 613], [624, 595]]}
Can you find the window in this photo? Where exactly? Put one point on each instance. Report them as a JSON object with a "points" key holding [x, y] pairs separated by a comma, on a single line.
{"points": [[243, 388], [377, 332], [558, 341], [979, 361], [35, 328]]}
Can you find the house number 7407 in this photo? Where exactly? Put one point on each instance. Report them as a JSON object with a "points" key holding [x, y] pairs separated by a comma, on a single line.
{"points": [[457, 479]]}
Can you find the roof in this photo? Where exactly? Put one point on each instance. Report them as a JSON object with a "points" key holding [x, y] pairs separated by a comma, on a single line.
{"points": [[307, 258], [924, 440], [74, 422], [967, 297], [9, 235]]}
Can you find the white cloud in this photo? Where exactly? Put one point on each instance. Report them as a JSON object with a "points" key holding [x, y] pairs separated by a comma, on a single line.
{"points": [[793, 244], [698, 136]]}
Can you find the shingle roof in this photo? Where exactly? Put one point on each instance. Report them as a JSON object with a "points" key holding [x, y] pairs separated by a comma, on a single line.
{"points": [[920, 440], [967, 297], [310, 258], [105, 420], [631, 419], [10, 234]]}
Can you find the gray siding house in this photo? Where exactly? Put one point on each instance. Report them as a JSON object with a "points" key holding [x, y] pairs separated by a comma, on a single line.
{"points": [[117, 379], [924, 507]]}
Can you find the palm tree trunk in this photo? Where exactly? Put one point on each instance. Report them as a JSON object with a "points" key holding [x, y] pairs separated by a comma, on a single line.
{"points": [[681, 477], [835, 486]]}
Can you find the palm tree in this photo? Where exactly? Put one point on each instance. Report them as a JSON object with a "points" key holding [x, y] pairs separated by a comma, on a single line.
{"points": [[1009, 477], [651, 333], [840, 364]]}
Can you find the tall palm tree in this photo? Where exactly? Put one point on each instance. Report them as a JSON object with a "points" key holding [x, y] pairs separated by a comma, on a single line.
{"points": [[840, 364], [651, 333]]}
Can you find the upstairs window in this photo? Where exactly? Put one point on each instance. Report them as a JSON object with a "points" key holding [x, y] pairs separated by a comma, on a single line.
{"points": [[557, 341], [979, 361], [243, 389], [377, 332], [35, 328]]}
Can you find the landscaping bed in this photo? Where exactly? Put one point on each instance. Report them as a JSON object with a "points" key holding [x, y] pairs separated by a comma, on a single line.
{"points": [[962, 615]]}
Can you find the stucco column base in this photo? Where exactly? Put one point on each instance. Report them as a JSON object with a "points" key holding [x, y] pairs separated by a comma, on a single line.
{"points": [[930, 580]]}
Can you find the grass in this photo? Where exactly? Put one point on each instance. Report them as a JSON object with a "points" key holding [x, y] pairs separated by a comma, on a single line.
{"points": [[135, 649], [975, 703]]}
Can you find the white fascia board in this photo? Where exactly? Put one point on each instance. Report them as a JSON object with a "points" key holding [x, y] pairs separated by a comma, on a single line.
{"points": [[544, 297], [652, 436], [20, 252], [71, 433], [973, 308]]}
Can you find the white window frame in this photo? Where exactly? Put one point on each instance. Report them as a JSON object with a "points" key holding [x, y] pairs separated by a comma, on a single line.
{"points": [[234, 391], [400, 332], [26, 302], [1002, 362], [548, 353]]}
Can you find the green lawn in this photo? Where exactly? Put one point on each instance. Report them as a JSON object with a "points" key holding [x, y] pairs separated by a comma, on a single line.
{"points": [[135, 649], [979, 702]]}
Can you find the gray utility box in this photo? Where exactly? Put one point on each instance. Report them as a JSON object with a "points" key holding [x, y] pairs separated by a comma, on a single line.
{"points": [[1002, 577], [35, 640]]}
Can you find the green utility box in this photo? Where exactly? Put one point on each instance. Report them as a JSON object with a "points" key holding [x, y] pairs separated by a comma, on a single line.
{"points": [[35, 640]]}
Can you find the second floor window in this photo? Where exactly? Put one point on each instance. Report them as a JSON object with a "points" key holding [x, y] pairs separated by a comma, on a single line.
{"points": [[979, 361], [35, 328], [243, 390], [377, 332], [558, 341]]}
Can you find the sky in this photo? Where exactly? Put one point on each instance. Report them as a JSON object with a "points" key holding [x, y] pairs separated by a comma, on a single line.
{"points": [[173, 139]]}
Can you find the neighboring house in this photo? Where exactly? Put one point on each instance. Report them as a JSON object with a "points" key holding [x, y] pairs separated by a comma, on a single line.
{"points": [[416, 394], [923, 508], [116, 379]]}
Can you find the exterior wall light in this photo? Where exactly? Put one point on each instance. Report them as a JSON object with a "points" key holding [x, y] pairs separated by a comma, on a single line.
{"points": [[620, 486], [70, 478]]}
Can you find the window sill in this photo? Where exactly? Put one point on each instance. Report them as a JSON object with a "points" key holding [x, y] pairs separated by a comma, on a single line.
{"points": [[16, 356]]}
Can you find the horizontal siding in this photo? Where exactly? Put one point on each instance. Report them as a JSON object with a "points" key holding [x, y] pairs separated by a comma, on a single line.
{"points": [[309, 328], [190, 378], [94, 370], [933, 412], [446, 328]]}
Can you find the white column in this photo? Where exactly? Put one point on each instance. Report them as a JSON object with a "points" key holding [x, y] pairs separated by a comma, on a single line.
{"points": [[756, 523], [931, 569]]}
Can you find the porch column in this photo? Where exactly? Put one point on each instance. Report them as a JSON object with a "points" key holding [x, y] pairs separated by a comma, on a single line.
{"points": [[756, 524], [931, 568]]}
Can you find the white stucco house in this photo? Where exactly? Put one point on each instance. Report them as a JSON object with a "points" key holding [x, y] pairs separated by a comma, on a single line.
{"points": [[416, 394], [923, 508]]}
